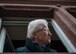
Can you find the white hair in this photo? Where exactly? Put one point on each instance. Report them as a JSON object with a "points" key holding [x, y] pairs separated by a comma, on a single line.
{"points": [[33, 24]]}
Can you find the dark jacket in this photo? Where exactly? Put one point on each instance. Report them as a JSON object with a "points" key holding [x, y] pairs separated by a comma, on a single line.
{"points": [[30, 46]]}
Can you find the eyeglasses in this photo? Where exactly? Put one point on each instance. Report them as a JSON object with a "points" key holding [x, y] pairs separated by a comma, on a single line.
{"points": [[47, 30]]}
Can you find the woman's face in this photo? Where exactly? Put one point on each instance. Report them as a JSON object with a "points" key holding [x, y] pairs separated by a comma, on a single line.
{"points": [[43, 35]]}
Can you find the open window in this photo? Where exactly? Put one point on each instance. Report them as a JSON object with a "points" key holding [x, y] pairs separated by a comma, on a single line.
{"points": [[15, 19]]}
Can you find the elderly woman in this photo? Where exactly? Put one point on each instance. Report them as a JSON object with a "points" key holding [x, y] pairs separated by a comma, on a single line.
{"points": [[38, 37]]}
